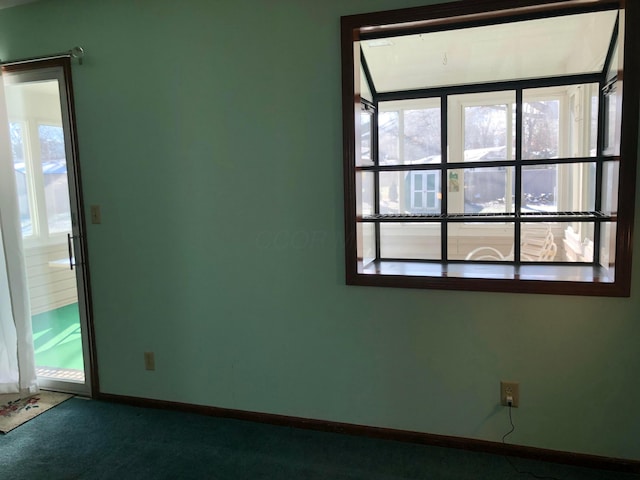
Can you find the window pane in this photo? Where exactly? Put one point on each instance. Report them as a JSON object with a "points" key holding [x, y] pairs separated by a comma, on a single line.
{"points": [[410, 192], [481, 241], [20, 166], [417, 180], [365, 91], [612, 71], [610, 113], [365, 138], [540, 124], [577, 241], [391, 185], [388, 138], [409, 132], [410, 241], [610, 173], [54, 169], [421, 139], [365, 193], [486, 130], [431, 182], [538, 243], [486, 190], [593, 134], [559, 187], [613, 119], [366, 242], [608, 244], [540, 187]]}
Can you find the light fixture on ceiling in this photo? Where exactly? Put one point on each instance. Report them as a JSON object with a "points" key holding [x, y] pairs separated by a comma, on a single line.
{"points": [[381, 42]]}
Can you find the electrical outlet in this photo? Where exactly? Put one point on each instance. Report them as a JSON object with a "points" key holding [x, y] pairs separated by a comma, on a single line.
{"points": [[96, 215], [509, 389], [149, 361]]}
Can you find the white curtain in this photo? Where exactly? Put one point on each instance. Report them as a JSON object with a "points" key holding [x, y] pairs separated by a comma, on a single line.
{"points": [[17, 362]]}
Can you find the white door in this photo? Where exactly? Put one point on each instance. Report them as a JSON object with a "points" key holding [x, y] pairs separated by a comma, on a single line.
{"points": [[44, 150]]}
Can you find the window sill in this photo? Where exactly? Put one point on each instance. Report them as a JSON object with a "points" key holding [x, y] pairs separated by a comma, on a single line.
{"points": [[492, 277], [486, 217]]}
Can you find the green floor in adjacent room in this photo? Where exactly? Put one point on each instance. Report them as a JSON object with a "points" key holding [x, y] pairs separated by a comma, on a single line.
{"points": [[56, 338]]}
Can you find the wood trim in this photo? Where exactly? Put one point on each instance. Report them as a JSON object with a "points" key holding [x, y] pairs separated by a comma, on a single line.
{"points": [[628, 142], [443, 16], [484, 446], [35, 64], [350, 66], [546, 287]]}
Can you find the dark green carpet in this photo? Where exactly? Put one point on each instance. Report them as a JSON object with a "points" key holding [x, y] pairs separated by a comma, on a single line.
{"points": [[56, 338], [83, 439]]}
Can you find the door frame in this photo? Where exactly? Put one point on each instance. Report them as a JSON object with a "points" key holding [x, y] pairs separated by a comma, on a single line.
{"points": [[60, 68]]}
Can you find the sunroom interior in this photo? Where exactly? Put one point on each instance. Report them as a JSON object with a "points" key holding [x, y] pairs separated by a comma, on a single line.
{"points": [[490, 144]]}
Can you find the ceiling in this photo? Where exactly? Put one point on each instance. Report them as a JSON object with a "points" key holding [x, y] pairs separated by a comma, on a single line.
{"points": [[537, 48]]}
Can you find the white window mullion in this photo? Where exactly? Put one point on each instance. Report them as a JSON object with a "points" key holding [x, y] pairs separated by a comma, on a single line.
{"points": [[37, 178]]}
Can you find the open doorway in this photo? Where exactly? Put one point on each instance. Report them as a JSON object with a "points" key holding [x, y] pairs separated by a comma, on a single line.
{"points": [[43, 146]]}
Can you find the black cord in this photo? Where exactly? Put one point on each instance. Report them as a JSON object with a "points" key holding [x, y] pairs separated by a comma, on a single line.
{"points": [[521, 472], [513, 427]]}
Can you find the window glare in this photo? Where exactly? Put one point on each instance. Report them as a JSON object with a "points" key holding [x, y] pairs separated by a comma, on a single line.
{"points": [[485, 133], [54, 168], [388, 138], [422, 135], [540, 129], [486, 190], [16, 133]]}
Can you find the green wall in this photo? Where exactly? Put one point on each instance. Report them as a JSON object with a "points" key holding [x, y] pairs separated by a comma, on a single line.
{"points": [[210, 133]]}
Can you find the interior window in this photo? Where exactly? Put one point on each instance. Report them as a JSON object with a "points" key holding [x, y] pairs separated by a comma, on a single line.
{"points": [[477, 170]]}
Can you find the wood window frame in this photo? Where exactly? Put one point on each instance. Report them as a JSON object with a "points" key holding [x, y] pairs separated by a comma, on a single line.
{"points": [[521, 278]]}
